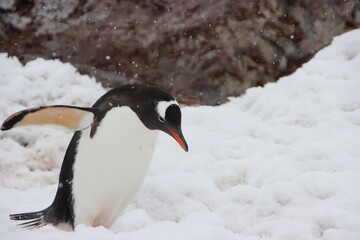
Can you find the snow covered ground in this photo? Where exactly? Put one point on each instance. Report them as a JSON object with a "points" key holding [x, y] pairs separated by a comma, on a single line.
{"points": [[280, 162]]}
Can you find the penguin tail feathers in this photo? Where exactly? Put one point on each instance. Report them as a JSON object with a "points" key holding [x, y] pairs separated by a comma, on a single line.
{"points": [[31, 219]]}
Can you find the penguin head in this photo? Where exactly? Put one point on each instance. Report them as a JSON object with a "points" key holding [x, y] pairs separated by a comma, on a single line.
{"points": [[169, 121], [156, 109], [164, 114]]}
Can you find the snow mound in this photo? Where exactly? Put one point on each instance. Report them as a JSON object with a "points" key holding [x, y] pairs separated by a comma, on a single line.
{"points": [[280, 162]]}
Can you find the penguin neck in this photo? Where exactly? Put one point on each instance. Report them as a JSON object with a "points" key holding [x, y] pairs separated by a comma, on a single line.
{"points": [[111, 166]]}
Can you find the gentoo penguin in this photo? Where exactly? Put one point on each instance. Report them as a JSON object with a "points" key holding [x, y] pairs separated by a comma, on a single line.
{"points": [[109, 155]]}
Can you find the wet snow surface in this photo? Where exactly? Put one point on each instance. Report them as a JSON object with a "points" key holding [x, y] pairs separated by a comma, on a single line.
{"points": [[280, 162]]}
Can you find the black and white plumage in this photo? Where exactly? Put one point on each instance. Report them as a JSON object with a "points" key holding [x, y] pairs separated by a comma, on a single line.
{"points": [[109, 155]]}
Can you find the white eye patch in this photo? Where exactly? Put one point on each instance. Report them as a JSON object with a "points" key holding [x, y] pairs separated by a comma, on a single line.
{"points": [[163, 105]]}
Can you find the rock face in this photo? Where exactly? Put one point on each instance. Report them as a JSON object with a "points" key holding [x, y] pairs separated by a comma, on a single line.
{"points": [[200, 50]]}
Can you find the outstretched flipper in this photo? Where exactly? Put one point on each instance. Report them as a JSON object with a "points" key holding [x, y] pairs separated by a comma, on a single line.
{"points": [[33, 219], [68, 118]]}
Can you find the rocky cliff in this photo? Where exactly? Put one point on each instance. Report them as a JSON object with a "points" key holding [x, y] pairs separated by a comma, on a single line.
{"points": [[200, 50]]}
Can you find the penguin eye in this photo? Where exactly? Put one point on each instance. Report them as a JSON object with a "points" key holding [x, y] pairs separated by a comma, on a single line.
{"points": [[161, 119]]}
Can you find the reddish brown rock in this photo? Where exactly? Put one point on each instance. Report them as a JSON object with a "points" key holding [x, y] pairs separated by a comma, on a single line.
{"points": [[201, 51]]}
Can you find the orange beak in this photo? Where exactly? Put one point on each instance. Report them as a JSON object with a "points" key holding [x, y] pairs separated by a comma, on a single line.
{"points": [[180, 139]]}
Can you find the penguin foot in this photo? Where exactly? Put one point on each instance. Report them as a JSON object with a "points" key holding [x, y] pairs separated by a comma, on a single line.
{"points": [[36, 219]]}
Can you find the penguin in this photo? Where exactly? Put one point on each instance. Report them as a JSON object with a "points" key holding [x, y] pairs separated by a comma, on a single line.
{"points": [[108, 156]]}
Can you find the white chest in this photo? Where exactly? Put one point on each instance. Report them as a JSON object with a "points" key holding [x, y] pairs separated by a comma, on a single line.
{"points": [[110, 167]]}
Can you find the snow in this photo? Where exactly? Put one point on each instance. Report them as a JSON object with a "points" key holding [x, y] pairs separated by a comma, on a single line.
{"points": [[280, 162]]}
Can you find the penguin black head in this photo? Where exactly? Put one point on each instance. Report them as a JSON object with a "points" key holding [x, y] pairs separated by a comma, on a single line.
{"points": [[156, 109], [169, 121]]}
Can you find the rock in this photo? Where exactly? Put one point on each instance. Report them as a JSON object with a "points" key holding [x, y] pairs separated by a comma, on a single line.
{"points": [[200, 51], [8, 5]]}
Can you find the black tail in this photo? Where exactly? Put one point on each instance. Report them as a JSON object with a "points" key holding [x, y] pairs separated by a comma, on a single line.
{"points": [[36, 219]]}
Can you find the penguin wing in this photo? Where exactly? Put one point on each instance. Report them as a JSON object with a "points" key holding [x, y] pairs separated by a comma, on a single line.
{"points": [[69, 118]]}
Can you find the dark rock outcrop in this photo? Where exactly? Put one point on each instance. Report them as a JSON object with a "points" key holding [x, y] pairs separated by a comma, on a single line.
{"points": [[200, 50]]}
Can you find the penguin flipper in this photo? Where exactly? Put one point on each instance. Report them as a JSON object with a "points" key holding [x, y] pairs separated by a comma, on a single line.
{"points": [[68, 118], [33, 219]]}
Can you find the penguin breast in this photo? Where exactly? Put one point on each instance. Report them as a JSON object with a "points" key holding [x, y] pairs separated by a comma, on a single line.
{"points": [[110, 167]]}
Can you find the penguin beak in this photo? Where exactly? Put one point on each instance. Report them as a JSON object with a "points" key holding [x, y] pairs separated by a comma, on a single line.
{"points": [[179, 137]]}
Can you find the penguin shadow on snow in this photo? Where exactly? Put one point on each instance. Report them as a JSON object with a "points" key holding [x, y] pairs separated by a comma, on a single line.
{"points": [[108, 156]]}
